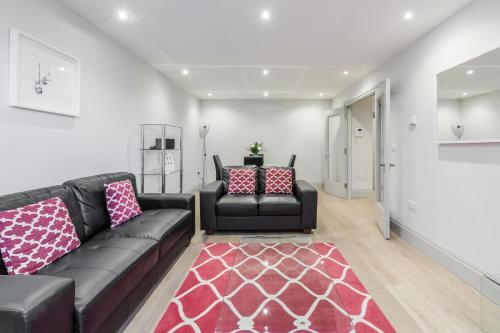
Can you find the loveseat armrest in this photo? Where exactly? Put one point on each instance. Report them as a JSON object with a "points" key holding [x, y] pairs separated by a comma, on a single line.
{"points": [[36, 303], [308, 197], [209, 196], [149, 201]]}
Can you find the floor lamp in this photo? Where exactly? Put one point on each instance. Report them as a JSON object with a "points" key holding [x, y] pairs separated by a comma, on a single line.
{"points": [[203, 134]]}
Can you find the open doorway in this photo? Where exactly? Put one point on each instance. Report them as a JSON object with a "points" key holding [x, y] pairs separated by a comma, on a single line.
{"points": [[362, 148], [357, 158]]}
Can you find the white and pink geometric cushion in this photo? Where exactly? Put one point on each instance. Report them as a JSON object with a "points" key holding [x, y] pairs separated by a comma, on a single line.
{"points": [[242, 181], [33, 236], [279, 180], [121, 202]]}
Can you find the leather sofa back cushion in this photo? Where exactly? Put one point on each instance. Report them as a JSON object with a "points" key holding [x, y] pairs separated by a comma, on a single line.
{"points": [[279, 180], [33, 236], [90, 193], [121, 202], [242, 181], [225, 175], [263, 176]]}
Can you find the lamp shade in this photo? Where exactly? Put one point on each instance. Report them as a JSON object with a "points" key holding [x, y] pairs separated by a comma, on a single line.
{"points": [[204, 131]]}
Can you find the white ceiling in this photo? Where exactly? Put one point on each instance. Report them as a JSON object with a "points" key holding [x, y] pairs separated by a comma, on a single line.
{"points": [[306, 45]]}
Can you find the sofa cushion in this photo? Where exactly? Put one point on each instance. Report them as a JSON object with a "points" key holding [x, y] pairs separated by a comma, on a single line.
{"points": [[263, 173], [121, 202], [242, 181], [279, 180], [163, 225], [278, 205], [225, 175], [89, 192], [104, 271], [237, 205], [33, 236], [16, 200]]}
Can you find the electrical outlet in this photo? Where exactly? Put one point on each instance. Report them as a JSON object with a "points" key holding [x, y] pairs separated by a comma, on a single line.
{"points": [[412, 205]]}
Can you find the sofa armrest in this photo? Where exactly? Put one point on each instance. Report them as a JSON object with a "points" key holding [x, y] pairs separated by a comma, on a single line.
{"points": [[149, 201], [209, 196], [308, 197], [36, 303]]}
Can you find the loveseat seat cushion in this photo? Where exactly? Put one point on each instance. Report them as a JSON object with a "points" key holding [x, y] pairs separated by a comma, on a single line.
{"points": [[104, 271], [237, 205], [278, 205], [162, 225]]}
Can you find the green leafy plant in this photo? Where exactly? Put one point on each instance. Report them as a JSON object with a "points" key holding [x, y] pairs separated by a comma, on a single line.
{"points": [[256, 148]]}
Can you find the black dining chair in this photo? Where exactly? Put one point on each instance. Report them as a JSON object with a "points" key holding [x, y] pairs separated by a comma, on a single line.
{"points": [[292, 161], [218, 167]]}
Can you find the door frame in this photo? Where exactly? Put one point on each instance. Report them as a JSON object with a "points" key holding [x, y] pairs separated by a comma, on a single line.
{"points": [[348, 105], [342, 112], [387, 144]]}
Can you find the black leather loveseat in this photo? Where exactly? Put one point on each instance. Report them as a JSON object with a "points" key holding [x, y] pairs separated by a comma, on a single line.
{"points": [[260, 211], [96, 287]]}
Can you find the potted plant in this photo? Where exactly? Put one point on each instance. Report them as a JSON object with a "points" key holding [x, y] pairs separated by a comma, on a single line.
{"points": [[256, 148]]}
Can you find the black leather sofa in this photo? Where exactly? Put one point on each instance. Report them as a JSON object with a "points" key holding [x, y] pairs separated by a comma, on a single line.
{"points": [[99, 285], [240, 212]]}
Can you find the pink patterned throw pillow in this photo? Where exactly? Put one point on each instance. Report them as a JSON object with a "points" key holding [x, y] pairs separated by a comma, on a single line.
{"points": [[279, 180], [33, 236], [241, 181], [121, 202]]}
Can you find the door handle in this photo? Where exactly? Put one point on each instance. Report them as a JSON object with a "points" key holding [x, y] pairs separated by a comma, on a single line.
{"points": [[392, 165], [382, 165]]}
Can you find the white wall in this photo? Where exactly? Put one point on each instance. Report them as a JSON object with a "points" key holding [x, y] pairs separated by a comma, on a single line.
{"points": [[456, 186], [362, 147], [285, 127], [118, 91]]}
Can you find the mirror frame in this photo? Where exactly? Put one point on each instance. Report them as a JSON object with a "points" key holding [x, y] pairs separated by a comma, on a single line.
{"points": [[436, 99]]}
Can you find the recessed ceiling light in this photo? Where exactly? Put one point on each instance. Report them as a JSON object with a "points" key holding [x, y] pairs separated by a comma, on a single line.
{"points": [[265, 72], [209, 94], [185, 72], [62, 69], [346, 72], [266, 94], [122, 15], [470, 72], [321, 94], [408, 16], [265, 15], [465, 93]]}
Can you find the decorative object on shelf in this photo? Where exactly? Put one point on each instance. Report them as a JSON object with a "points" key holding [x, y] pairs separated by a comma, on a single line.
{"points": [[256, 148], [169, 144], [458, 129], [42, 77], [155, 167], [204, 129]]}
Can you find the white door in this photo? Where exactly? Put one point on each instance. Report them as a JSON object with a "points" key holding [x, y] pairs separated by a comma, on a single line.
{"points": [[382, 157], [336, 153]]}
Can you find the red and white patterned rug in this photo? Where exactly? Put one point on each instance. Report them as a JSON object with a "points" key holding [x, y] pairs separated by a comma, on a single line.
{"points": [[272, 287]]}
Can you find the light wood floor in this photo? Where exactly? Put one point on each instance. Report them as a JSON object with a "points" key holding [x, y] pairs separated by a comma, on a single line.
{"points": [[415, 293]]}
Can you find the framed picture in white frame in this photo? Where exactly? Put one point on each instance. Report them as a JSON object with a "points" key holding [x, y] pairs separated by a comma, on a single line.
{"points": [[42, 77]]}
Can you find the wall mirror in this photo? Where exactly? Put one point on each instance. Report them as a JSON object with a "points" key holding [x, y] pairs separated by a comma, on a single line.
{"points": [[468, 105]]}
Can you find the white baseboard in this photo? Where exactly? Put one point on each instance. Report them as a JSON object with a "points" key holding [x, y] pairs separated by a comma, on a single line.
{"points": [[452, 262], [362, 193]]}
